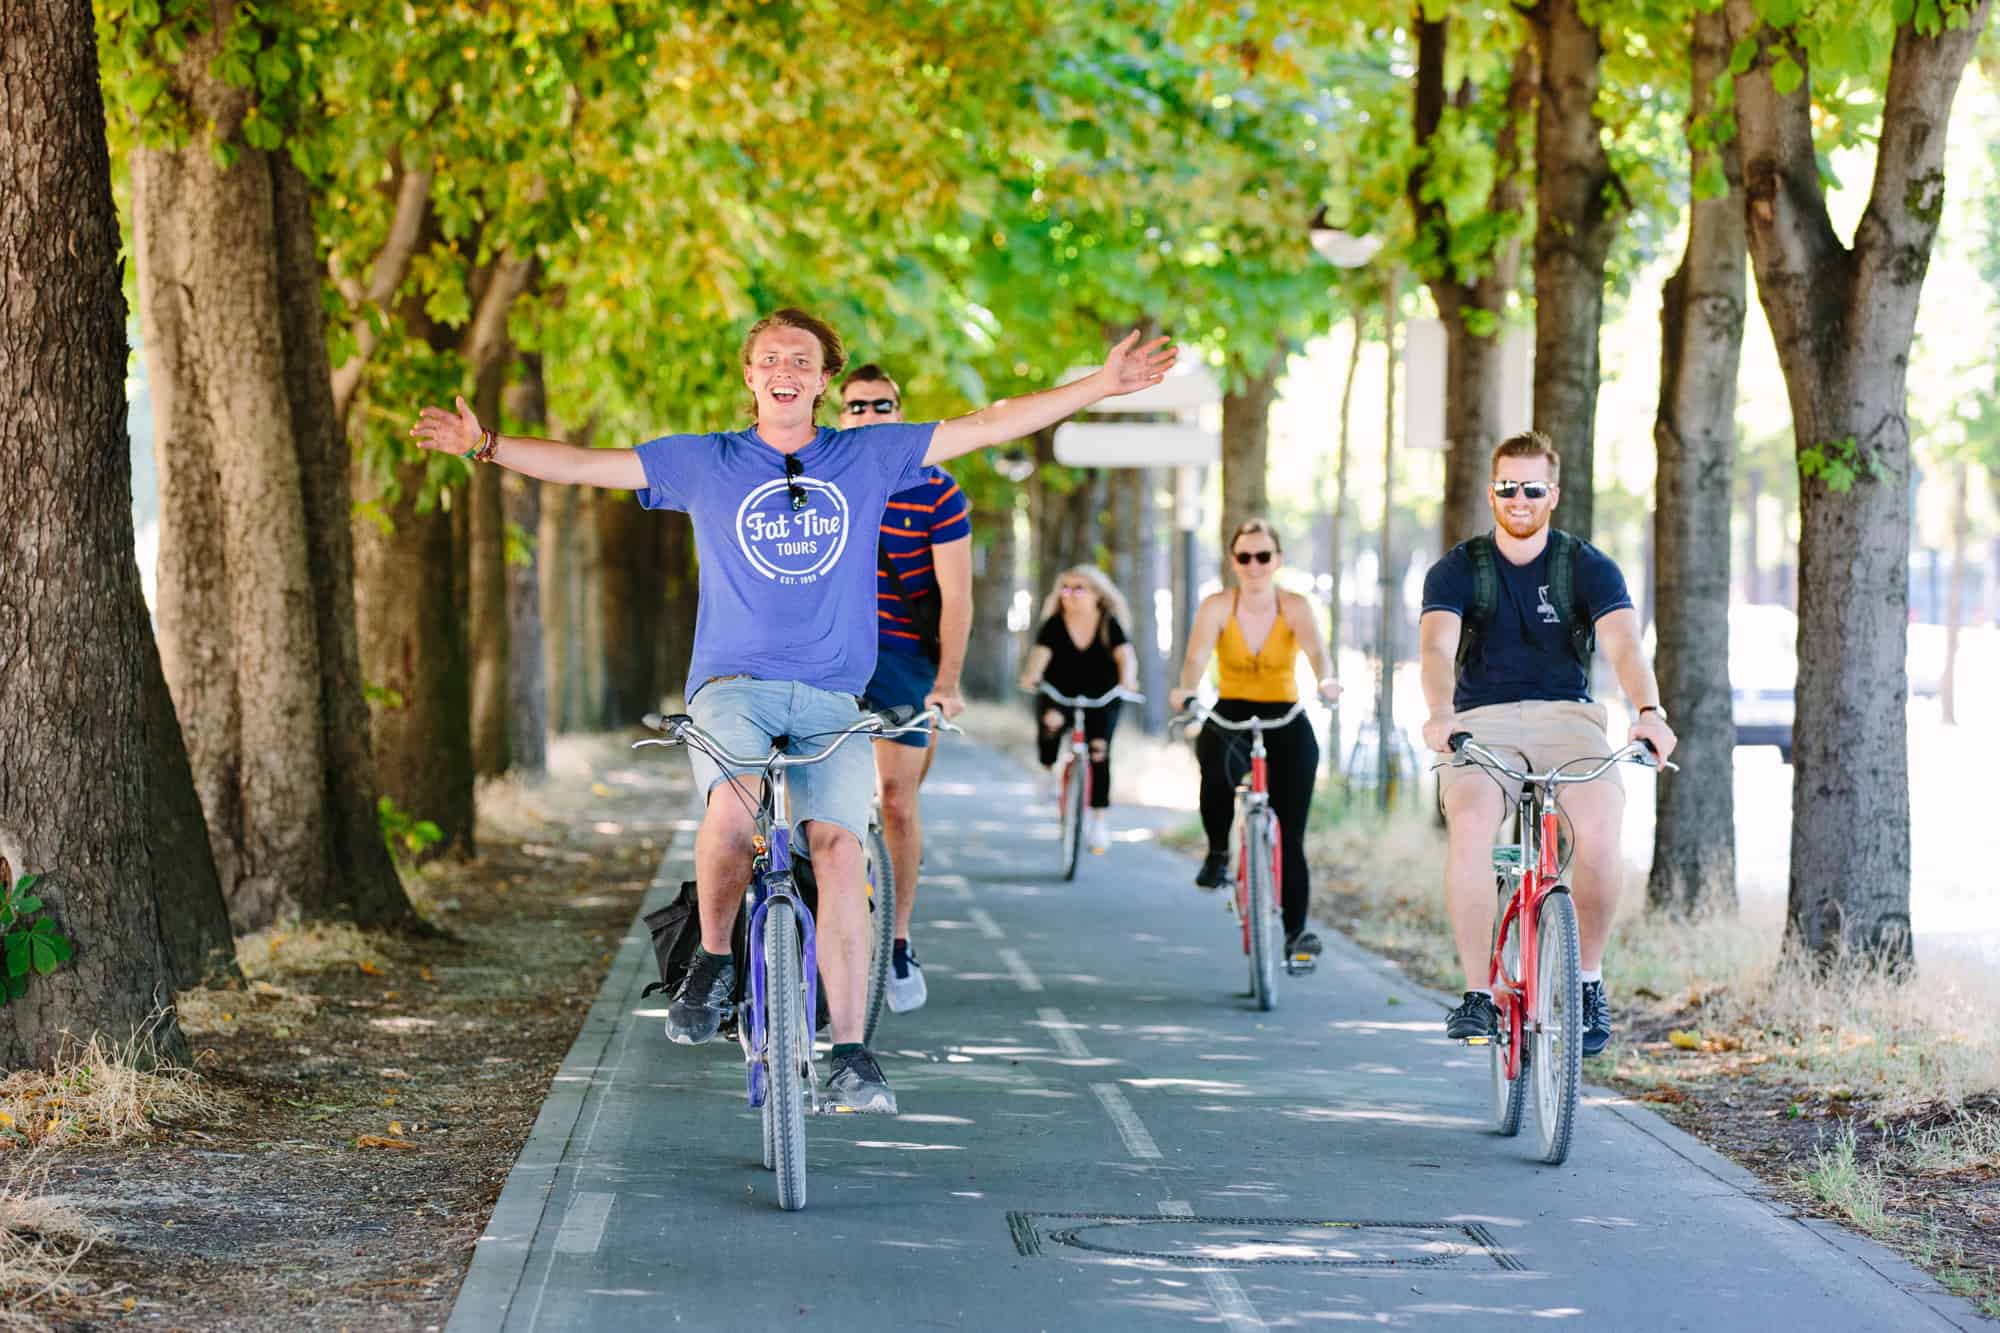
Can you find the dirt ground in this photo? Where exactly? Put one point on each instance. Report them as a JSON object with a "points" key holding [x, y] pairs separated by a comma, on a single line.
{"points": [[380, 1097]]}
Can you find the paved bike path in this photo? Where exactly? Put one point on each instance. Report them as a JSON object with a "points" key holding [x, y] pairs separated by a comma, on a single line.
{"points": [[1100, 1131]]}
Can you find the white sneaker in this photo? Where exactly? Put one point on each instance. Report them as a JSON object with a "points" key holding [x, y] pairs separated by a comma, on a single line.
{"points": [[1098, 834], [906, 985]]}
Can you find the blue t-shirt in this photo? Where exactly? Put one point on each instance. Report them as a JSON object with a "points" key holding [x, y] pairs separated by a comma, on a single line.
{"points": [[924, 516], [785, 595], [1524, 653]]}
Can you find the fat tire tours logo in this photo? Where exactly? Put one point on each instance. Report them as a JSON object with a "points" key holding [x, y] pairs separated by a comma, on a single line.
{"points": [[787, 546]]}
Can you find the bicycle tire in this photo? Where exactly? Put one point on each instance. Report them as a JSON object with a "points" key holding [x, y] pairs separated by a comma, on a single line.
{"points": [[784, 1003], [881, 925], [1557, 1043], [1076, 782], [1510, 1096], [1264, 947]]}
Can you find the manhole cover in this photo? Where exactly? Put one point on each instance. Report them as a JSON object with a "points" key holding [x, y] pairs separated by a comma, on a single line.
{"points": [[1261, 1242]]}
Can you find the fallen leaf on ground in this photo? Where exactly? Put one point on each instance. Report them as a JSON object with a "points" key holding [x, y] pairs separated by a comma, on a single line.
{"points": [[368, 968], [377, 1141], [396, 1128], [1671, 1095], [1686, 1041]]}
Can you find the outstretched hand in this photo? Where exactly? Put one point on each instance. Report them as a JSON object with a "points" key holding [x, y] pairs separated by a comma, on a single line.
{"points": [[1131, 367], [450, 432]]}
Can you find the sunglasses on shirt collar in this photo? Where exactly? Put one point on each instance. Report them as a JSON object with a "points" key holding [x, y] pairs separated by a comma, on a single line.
{"points": [[794, 471], [1534, 490], [882, 406]]}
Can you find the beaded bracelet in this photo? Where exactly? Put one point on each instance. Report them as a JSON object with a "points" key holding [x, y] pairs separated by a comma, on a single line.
{"points": [[483, 451]]}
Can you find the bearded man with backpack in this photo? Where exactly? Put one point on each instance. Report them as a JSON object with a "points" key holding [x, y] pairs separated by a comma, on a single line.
{"points": [[1510, 621]]}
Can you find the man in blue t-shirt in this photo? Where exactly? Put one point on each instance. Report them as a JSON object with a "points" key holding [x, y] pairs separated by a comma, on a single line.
{"points": [[1523, 689], [784, 640], [923, 609]]}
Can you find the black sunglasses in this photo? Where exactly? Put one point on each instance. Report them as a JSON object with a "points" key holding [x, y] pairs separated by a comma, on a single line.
{"points": [[1261, 557], [883, 406], [1534, 490], [794, 470]]}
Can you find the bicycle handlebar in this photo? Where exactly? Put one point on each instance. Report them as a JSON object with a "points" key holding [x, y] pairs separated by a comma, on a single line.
{"points": [[1203, 713], [1463, 745], [683, 730], [1117, 692]]}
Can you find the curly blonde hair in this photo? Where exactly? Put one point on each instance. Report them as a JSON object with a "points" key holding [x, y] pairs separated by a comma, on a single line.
{"points": [[1110, 602]]}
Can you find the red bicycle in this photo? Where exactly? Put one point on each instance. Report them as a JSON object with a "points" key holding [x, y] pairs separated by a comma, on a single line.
{"points": [[1257, 896], [1073, 797], [1536, 965]]}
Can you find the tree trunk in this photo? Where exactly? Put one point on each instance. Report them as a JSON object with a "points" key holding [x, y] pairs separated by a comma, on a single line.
{"points": [[81, 698], [1579, 206], [682, 600], [487, 606], [1954, 606], [521, 500], [1149, 558], [633, 565], [989, 673], [1701, 327], [1336, 537], [1246, 452], [255, 613], [1843, 320], [1470, 308]]}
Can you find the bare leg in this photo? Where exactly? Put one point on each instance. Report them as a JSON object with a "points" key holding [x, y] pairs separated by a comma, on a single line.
{"points": [[1472, 813], [901, 768], [843, 926], [722, 860], [1596, 813]]}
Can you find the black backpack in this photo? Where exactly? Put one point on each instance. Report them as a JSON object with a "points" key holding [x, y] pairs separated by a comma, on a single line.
{"points": [[676, 932], [1478, 618]]}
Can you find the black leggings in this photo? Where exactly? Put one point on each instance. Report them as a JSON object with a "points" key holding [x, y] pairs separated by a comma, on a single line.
{"points": [[1098, 724], [1292, 762]]}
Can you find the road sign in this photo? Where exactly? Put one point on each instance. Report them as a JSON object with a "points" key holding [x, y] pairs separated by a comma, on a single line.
{"points": [[1135, 444]]}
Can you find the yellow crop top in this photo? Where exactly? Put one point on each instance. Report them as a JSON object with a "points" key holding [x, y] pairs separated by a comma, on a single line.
{"points": [[1265, 676]]}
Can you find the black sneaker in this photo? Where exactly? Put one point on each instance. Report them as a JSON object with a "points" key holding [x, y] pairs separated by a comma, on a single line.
{"points": [[1596, 1018], [1305, 942], [1476, 1016], [1214, 868], [857, 1086], [695, 1016]]}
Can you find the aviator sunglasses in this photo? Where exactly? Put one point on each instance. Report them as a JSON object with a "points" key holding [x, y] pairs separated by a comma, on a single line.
{"points": [[794, 470], [1261, 557], [1534, 490], [882, 406]]}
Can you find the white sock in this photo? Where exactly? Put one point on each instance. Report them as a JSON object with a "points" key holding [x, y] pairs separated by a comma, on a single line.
{"points": [[1481, 991], [1594, 974]]}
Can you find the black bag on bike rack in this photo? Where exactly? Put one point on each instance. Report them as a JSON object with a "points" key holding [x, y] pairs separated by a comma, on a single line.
{"points": [[676, 932]]}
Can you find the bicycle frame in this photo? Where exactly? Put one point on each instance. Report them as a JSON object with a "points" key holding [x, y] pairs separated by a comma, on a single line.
{"points": [[771, 879], [1535, 815], [1251, 803]]}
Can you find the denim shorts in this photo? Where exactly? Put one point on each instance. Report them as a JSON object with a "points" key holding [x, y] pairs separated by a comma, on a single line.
{"points": [[743, 714], [902, 678]]}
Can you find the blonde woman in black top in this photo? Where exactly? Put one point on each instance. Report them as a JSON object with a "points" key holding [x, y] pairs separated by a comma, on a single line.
{"points": [[1082, 650]]}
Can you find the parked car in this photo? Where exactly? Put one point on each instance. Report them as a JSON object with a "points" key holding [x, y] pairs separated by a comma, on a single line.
{"points": [[1763, 671]]}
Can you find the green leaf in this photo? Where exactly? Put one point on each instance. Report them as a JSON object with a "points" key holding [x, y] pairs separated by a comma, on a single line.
{"points": [[44, 955], [27, 905], [1786, 76], [25, 882], [17, 955], [64, 949], [1744, 54]]}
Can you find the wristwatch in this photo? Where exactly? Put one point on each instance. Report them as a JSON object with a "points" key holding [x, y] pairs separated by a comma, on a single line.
{"points": [[1653, 708]]}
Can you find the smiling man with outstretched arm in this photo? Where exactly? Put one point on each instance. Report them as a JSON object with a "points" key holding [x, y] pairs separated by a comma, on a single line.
{"points": [[785, 512]]}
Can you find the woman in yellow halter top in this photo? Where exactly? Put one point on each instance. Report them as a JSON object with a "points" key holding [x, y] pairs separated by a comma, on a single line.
{"points": [[1256, 632]]}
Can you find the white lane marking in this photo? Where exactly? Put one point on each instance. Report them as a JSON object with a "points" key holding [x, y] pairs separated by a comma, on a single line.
{"points": [[1017, 967], [1137, 1141], [987, 925], [961, 890], [1064, 1033], [583, 1225], [1238, 1314]]}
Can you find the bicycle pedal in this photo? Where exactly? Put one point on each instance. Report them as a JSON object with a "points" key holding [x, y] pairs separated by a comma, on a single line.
{"points": [[1476, 1041], [1300, 965]]}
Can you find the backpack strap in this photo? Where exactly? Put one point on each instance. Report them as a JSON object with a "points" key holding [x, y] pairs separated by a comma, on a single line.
{"points": [[1582, 633], [1485, 597]]}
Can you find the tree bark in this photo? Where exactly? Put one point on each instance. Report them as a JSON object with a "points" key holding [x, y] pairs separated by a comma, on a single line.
{"points": [[1701, 326], [1954, 606], [556, 547], [989, 673], [255, 613], [1150, 563], [631, 573], [1336, 540], [82, 699], [1470, 306], [1843, 320], [487, 605], [1246, 451], [1579, 206], [527, 675]]}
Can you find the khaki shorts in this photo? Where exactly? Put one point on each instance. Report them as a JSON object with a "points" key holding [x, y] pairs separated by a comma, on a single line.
{"points": [[1534, 736]]}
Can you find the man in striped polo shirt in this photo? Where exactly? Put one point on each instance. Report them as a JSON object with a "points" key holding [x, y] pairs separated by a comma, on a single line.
{"points": [[923, 601]]}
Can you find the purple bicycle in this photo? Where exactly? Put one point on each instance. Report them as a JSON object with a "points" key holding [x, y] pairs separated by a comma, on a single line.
{"points": [[783, 988]]}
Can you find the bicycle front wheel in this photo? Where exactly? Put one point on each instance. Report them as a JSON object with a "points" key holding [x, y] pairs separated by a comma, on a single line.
{"points": [[1556, 1014], [1076, 781], [881, 924], [1510, 1095], [788, 1034], [1263, 910]]}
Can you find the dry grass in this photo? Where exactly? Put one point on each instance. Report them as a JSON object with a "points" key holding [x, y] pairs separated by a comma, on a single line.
{"points": [[41, 1240], [1849, 1032], [1853, 1190], [102, 1091], [291, 950]]}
